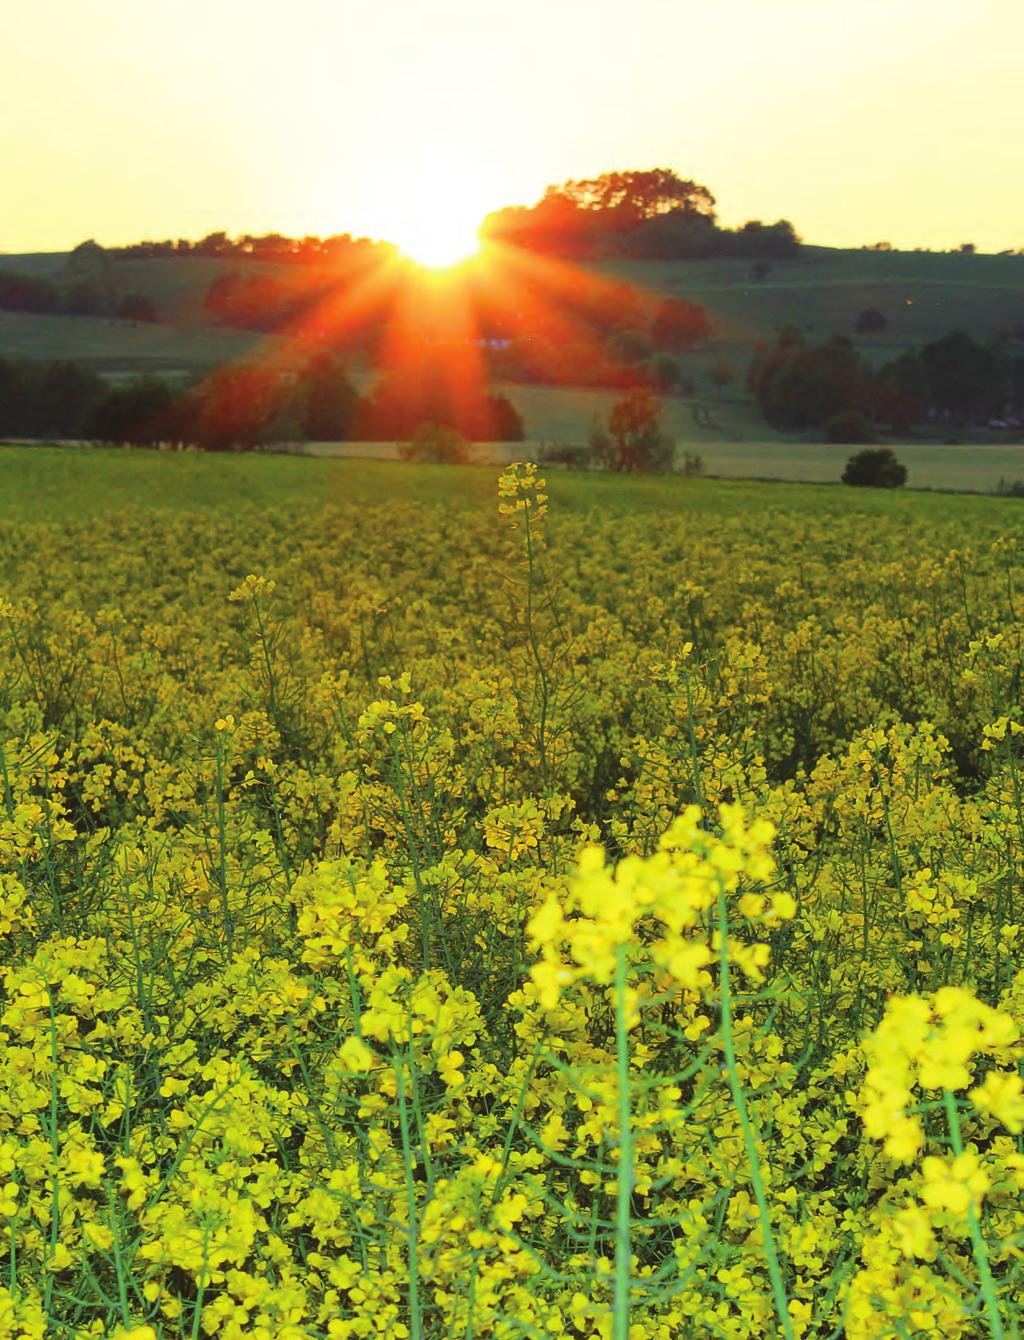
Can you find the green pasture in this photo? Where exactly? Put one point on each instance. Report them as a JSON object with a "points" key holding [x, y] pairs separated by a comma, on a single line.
{"points": [[117, 348], [56, 483], [922, 294]]}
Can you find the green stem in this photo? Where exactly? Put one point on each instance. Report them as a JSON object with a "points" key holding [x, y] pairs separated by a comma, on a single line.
{"points": [[988, 1287], [698, 785], [542, 676], [55, 1157], [415, 1320], [749, 1138], [623, 1214], [229, 926]]}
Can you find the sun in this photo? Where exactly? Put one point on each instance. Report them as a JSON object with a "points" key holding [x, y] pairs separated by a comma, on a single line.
{"points": [[440, 234], [439, 239], [435, 220]]}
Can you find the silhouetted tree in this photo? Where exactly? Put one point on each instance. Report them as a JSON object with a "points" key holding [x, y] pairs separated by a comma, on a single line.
{"points": [[962, 377], [776, 241], [239, 407], [141, 412], [626, 199], [679, 235], [652, 213], [47, 399], [799, 386], [67, 393], [87, 280], [329, 400], [900, 393], [632, 439]]}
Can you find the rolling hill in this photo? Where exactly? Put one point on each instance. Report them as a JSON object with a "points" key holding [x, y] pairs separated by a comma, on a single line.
{"points": [[922, 295]]}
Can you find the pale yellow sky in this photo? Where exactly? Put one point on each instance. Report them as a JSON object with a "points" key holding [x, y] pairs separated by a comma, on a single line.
{"points": [[859, 120]]}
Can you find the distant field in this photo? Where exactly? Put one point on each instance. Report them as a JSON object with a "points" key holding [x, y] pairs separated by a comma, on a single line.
{"points": [[963, 469], [41, 480], [59, 483]]}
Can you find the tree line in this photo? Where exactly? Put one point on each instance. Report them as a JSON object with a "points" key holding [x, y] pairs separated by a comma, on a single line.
{"points": [[953, 381], [310, 250], [84, 286], [241, 406]]}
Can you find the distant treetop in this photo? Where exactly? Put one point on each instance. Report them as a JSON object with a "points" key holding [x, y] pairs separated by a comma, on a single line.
{"points": [[650, 214]]}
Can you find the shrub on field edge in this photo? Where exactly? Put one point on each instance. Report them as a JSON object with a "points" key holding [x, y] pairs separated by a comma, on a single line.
{"points": [[436, 444], [573, 455], [1010, 488], [875, 468], [631, 439]]}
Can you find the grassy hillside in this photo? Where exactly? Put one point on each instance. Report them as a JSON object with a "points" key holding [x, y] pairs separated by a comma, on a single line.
{"points": [[121, 347], [922, 294]]}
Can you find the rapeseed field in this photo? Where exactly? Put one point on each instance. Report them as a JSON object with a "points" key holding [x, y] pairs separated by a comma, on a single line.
{"points": [[512, 919]]}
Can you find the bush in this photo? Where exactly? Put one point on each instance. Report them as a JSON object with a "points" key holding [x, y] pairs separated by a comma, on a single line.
{"points": [[876, 468], [140, 413], [47, 399], [436, 444], [1010, 488], [870, 322], [330, 401], [632, 440], [573, 455], [850, 427]]}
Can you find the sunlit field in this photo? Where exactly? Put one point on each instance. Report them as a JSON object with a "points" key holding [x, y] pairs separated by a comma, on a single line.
{"points": [[433, 908]]}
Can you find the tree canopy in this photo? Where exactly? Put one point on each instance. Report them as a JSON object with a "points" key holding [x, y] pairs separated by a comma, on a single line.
{"points": [[628, 198], [651, 213]]}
